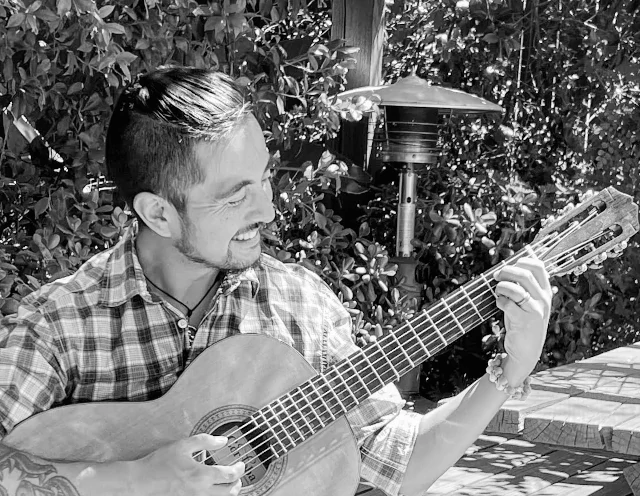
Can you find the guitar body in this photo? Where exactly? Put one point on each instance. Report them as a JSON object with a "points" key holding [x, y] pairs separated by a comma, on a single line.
{"points": [[227, 383]]}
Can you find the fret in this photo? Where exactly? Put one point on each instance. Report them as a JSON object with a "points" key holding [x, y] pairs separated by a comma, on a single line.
{"points": [[384, 355], [344, 409], [373, 369], [293, 443], [355, 371], [453, 315], [346, 386], [275, 436], [322, 402], [290, 417], [312, 409], [488, 285], [339, 388], [530, 251], [422, 345], [392, 334], [435, 327], [472, 303]]}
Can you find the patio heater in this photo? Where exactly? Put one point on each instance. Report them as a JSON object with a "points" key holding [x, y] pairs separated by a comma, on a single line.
{"points": [[406, 139]]}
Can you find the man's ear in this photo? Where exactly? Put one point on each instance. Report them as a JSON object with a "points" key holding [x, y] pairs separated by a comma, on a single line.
{"points": [[157, 213]]}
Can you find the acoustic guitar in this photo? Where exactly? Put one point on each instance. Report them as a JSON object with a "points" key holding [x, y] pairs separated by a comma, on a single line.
{"points": [[283, 419]]}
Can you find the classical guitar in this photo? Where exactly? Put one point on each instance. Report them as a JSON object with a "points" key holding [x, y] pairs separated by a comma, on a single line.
{"points": [[283, 419]]}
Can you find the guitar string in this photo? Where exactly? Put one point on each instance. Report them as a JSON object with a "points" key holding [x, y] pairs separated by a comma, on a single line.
{"points": [[469, 290], [331, 403], [301, 428], [549, 239], [327, 404], [263, 460]]}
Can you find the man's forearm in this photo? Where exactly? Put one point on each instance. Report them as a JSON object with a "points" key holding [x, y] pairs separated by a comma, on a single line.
{"points": [[447, 431], [22, 473]]}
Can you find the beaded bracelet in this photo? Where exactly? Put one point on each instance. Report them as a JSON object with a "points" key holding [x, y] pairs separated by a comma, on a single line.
{"points": [[494, 370]]}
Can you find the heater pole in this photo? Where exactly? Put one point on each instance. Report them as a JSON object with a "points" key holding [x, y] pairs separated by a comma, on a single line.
{"points": [[406, 211], [408, 141]]}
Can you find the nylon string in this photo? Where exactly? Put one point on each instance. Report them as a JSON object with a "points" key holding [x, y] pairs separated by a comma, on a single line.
{"points": [[474, 306]]}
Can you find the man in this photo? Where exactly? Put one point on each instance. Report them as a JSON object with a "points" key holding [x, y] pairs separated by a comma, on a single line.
{"points": [[191, 160]]}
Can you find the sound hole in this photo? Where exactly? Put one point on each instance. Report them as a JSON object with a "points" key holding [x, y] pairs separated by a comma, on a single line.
{"points": [[248, 444]]}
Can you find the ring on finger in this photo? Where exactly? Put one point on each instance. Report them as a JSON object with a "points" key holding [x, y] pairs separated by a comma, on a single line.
{"points": [[525, 298]]}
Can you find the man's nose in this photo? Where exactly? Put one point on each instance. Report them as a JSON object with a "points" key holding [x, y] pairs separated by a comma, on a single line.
{"points": [[264, 205]]}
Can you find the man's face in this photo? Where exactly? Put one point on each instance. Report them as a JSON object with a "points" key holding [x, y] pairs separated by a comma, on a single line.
{"points": [[221, 224]]}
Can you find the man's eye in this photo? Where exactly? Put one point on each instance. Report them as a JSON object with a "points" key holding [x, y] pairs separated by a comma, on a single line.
{"points": [[235, 203]]}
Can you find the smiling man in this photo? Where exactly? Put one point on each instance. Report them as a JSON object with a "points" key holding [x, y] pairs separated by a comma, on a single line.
{"points": [[191, 160]]}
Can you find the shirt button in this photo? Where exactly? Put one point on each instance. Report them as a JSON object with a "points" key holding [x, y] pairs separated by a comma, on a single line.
{"points": [[182, 324]]}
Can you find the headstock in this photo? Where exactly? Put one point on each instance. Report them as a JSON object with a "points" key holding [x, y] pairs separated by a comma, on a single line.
{"points": [[587, 234]]}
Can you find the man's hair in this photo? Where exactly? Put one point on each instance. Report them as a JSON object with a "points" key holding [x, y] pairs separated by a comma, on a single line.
{"points": [[156, 123]]}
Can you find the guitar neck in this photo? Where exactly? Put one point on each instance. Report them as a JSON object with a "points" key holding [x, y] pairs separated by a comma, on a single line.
{"points": [[313, 405]]}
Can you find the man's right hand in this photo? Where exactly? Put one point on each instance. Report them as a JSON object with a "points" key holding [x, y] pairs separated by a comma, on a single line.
{"points": [[172, 470]]}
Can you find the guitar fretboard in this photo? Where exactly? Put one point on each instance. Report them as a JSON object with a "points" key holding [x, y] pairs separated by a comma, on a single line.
{"points": [[307, 409]]}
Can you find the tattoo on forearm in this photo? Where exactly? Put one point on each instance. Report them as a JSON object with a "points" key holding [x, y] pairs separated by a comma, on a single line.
{"points": [[28, 477]]}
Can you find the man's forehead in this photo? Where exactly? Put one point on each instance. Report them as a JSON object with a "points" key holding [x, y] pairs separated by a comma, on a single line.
{"points": [[243, 158]]}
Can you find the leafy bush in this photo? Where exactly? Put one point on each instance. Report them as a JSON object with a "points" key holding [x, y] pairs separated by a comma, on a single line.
{"points": [[570, 124], [567, 77]]}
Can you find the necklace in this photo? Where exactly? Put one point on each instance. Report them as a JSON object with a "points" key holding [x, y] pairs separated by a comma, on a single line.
{"points": [[189, 310]]}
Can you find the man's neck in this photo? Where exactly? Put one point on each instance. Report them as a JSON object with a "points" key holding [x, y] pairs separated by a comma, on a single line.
{"points": [[167, 268]]}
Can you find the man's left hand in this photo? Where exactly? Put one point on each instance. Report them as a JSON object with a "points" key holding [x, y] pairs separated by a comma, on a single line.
{"points": [[524, 294]]}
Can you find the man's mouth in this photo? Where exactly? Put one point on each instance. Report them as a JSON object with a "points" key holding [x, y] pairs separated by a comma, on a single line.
{"points": [[247, 235]]}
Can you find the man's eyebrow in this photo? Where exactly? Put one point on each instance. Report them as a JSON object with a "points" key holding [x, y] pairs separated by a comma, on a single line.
{"points": [[237, 187]]}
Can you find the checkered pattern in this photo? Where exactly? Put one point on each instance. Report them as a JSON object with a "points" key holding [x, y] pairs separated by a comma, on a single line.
{"points": [[101, 335]]}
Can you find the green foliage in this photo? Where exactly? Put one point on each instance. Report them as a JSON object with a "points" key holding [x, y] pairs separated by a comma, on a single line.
{"points": [[566, 75], [564, 72], [63, 64]]}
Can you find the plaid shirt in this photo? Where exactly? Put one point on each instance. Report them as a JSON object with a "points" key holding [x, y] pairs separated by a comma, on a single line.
{"points": [[100, 335]]}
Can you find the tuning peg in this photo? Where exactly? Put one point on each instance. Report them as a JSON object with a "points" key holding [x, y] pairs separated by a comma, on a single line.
{"points": [[549, 220], [587, 195], [580, 269]]}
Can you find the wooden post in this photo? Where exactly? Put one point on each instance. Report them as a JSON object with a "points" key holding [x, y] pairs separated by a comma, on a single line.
{"points": [[361, 23]]}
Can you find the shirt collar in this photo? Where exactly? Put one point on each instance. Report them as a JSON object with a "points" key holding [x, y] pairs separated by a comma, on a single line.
{"points": [[123, 277]]}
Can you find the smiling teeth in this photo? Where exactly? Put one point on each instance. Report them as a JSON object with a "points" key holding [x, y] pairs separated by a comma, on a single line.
{"points": [[247, 235]]}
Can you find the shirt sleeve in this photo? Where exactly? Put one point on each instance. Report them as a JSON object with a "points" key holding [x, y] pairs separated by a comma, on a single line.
{"points": [[385, 433], [31, 378]]}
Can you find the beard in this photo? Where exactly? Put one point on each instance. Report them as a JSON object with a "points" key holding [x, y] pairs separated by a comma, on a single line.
{"points": [[188, 249]]}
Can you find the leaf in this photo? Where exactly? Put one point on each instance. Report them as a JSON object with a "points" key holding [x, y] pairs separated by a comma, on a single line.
{"points": [[46, 15], [75, 88], [41, 206], [321, 220], [84, 5], [214, 23], [348, 50], [144, 43], [34, 7], [16, 20], [63, 7], [469, 211], [105, 11], [108, 231], [491, 38], [115, 28], [126, 57]]}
